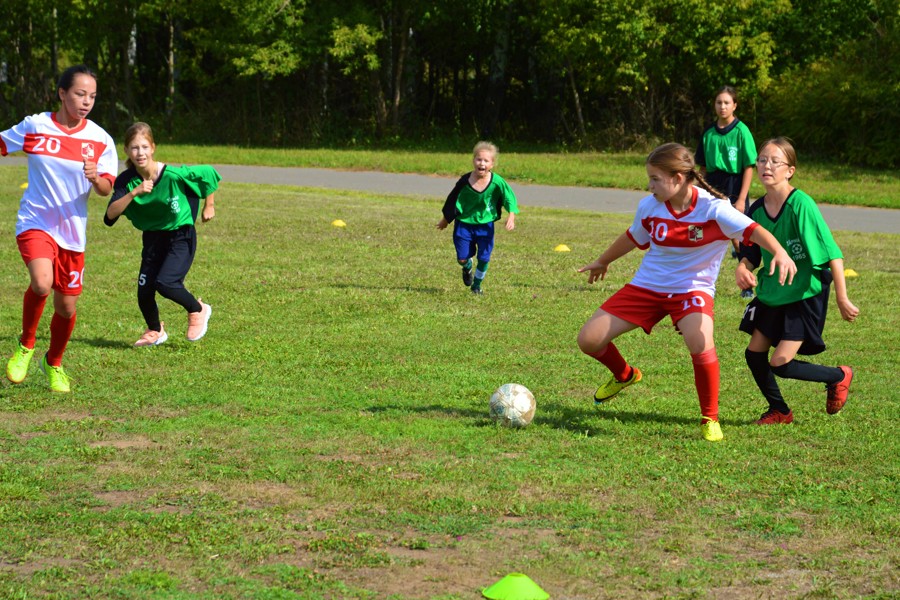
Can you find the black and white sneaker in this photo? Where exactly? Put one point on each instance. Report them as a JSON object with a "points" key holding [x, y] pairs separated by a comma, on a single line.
{"points": [[468, 275]]}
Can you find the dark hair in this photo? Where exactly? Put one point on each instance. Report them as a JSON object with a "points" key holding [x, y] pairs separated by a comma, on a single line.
{"points": [[68, 76], [674, 158], [138, 128], [727, 89]]}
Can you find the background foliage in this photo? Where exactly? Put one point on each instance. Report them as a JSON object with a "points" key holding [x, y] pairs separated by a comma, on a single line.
{"points": [[611, 74]]}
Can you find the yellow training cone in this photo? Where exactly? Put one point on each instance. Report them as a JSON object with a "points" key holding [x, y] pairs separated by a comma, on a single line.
{"points": [[850, 273], [562, 248], [24, 186], [338, 223], [515, 586]]}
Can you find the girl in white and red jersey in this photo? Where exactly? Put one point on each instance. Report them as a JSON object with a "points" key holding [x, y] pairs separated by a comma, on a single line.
{"points": [[68, 156], [685, 226]]}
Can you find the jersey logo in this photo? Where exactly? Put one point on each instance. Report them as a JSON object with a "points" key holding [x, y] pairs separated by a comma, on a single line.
{"points": [[174, 206], [695, 233], [87, 150], [732, 153]]}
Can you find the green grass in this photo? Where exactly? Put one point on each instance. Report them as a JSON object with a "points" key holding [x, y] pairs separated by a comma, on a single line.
{"points": [[329, 437], [827, 183]]}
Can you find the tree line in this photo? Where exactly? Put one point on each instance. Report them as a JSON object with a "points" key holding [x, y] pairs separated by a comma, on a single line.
{"points": [[579, 74]]}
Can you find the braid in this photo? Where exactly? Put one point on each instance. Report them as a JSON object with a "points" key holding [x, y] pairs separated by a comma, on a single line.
{"points": [[705, 185]]}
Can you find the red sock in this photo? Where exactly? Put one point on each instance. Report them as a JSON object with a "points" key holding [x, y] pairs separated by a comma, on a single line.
{"points": [[706, 378], [612, 360], [32, 309], [60, 331]]}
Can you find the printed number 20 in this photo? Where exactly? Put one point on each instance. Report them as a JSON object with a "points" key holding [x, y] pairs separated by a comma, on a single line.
{"points": [[76, 278]]}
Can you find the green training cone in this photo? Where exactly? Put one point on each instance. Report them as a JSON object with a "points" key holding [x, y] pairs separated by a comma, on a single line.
{"points": [[515, 586]]}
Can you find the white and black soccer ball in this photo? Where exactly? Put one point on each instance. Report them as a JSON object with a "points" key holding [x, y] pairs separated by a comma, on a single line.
{"points": [[512, 405]]}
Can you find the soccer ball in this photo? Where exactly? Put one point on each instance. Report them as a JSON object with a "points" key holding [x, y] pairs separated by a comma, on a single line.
{"points": [[512, 405]]}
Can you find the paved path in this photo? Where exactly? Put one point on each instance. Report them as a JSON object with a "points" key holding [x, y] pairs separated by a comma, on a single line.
{"points": [[869, 220]]}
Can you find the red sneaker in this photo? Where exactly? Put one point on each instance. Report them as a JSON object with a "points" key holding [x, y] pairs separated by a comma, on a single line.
{"points": [[838, 392], [773, 417]]}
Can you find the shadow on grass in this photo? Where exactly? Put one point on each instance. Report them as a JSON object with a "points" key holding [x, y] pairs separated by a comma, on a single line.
{"points": [[396, 288], [102, 343], [576, 420]]}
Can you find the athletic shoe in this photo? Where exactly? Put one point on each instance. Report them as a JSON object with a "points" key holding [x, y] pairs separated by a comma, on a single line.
{"points": [[838, 392], [773, 417], [712, 431], [747, 294], [468, 275], [477, 291], [614, 386], [17, 367], [197, 322], [59, 381], [153, 338]]}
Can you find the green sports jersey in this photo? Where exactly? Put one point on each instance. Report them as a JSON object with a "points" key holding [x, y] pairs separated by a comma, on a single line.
{"points": [[175, 199], [802, 231], [478, 208], [730, 149]]}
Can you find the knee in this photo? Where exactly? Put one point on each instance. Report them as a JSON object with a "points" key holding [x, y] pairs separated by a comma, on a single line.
{"points": [[41, 287], [589, 344], [781, 369]]}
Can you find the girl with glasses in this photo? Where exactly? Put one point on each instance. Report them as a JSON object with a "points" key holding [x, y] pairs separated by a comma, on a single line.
{"points": [[791, 318]]}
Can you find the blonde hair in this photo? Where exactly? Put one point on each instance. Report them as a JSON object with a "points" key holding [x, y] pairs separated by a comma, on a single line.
{"points": [[674, 158], [482, 145], [139, 128], [784, 144]]}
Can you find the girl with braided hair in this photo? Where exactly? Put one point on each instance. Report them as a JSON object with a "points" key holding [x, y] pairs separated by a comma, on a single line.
{"points": [[685, 225]]}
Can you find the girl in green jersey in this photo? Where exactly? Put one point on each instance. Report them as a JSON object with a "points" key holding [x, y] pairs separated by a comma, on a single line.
{"points": [[791, 318], [163, 202]]}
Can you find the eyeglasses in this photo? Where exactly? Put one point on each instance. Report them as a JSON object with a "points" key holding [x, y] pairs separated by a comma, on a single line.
{"points": [[762, 161]]}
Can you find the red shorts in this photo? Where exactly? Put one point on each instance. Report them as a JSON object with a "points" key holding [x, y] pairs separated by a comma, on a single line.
{"points": [[68, 265], [645, 308]]}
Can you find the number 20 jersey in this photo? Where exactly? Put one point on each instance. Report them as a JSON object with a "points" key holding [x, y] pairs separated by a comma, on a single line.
{"points": [[685, 250], [56, 198]]}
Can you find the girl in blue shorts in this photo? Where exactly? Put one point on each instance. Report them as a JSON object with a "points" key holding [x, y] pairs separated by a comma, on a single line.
{"points": [[685, 226], [476, 201]]}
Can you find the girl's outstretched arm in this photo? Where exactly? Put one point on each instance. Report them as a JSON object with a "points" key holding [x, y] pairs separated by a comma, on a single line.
{"points": [[619, 248], [780, 259]]}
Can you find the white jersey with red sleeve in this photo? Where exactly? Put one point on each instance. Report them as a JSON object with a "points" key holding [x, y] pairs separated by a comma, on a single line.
{"points": [[56, 198], [685, 249]]}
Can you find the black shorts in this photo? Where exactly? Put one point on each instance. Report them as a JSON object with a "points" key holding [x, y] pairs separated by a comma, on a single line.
{"points": [[167, 256], [799, 321]]}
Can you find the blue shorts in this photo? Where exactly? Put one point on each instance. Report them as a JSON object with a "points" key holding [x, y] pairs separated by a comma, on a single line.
{"points": [[473, 239]]}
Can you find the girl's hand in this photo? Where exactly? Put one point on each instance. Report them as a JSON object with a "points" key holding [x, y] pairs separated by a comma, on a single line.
{"points": [[442, 224], [144, 187], [786, 267], [744, 277], [90, 171], [511, 222], [597, 270], [209, 211], [849, 312]]}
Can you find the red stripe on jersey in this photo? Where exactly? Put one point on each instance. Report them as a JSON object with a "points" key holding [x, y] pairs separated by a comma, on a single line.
{"points": [[679, 234], [71, 131], [748, 232], [634, 241], [63, 146]]}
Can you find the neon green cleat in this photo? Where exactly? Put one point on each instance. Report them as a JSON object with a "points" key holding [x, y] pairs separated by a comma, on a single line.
{"points": [[712, 431], [17, 367], [59, 381], [613, 386]]}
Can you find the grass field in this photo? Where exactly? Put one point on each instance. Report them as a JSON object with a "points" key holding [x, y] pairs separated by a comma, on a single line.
{"points": [[329, 437], [827, 183]]}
